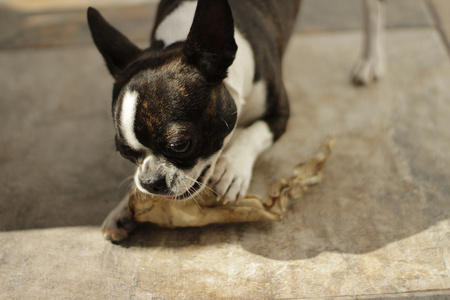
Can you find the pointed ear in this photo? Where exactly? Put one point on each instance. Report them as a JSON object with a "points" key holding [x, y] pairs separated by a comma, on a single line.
{"points": [[116, 49], [210, 45]]}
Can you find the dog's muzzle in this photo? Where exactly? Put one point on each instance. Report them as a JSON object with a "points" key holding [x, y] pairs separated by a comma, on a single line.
{"points": [[160, 185]]}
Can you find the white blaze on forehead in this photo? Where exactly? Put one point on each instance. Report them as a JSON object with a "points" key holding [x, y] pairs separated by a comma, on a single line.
{"points": [[127, 116]]}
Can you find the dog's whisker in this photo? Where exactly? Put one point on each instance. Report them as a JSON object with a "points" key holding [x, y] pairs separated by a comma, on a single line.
{"points": [[201, 200], [201, 184], [200, 196], [199, 206], [226, 123], [178, 191], [189, 193], [194, 198], [125, 180]]}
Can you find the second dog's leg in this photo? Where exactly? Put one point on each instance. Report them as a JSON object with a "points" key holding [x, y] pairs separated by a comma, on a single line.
{"points": [[371, 64]]}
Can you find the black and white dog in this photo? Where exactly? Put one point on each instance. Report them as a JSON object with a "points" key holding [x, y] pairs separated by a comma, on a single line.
{"points": [[200, 104]]}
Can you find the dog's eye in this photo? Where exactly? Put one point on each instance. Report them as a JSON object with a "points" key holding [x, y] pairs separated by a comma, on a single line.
{"points": [[180, 146], [131, 155]]}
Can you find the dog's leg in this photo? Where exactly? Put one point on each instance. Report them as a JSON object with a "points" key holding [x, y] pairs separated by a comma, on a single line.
{"points": [[233, 171], [371, 64], [119, 223]]}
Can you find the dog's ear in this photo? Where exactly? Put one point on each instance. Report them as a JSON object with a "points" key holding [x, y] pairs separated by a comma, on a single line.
{"points": [[210, 45], [116, 49]]}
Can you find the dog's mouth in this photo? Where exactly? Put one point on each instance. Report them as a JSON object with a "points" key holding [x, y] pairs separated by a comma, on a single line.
{"points": [[192, 191]]}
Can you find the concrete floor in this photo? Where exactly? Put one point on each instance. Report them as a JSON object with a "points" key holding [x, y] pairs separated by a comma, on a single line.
{"points": [[377, 227]]}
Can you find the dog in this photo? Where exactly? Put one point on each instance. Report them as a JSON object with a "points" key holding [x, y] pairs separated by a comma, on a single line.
{"points": [[196, 108]]}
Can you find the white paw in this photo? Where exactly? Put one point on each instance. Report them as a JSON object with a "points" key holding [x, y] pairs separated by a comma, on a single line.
{"points": [[119, 223], [231, 178], [368, 70]]}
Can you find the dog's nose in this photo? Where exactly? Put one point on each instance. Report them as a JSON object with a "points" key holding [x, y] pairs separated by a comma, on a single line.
{"points": [[158, 186]]}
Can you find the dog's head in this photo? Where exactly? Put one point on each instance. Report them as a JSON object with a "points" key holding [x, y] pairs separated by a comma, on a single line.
{"points": [[171, 110]]}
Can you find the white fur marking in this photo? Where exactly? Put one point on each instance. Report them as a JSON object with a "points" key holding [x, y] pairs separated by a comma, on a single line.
{"points": [[256, 104], [259, 136], [175, 27], [127, 118], [239, 81]]}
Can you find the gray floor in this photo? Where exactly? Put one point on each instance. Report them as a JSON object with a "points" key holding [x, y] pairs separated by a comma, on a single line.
{"points": [[378, 226]]}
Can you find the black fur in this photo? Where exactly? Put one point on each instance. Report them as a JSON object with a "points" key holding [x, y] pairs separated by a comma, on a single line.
{"points": [[116, 49], [210, 45]]}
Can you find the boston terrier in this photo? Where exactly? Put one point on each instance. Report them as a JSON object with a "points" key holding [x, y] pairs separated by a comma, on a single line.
{"points": [[196, 108]]}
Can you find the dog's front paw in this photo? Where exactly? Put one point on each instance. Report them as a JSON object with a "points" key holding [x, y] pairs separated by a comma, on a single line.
{"points": [[231, 178], [367, 70], [119, 223]]}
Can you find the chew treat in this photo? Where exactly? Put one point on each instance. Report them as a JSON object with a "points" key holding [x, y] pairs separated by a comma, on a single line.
{"points": [[205, 209]]}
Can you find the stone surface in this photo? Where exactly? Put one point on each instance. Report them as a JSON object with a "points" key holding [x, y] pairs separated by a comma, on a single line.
{"points": [[68, 27], [211, 263], [441, 9], [377, 227], [58, 152], [63, 23], [319, 15]]}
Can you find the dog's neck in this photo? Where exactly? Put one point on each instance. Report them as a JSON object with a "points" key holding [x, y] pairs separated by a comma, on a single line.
{"points": [[239, 82]]}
